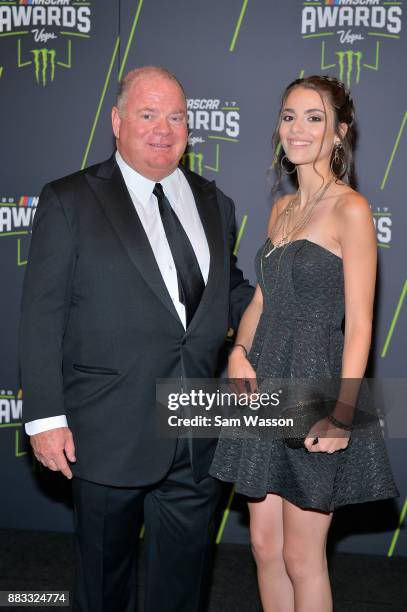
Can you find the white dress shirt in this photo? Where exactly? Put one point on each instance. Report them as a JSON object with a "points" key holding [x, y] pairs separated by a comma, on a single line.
{"points": [[179, 194]]}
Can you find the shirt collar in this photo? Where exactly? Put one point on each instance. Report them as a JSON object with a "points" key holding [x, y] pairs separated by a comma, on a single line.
{"points": [[142, 187]]}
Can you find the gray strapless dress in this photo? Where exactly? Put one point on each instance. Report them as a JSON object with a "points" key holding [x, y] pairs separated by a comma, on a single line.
{"points": [[299, 336]]}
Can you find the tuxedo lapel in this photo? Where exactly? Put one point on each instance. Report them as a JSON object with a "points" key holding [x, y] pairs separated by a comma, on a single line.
{"points": [[204, 193], [110, 189]]}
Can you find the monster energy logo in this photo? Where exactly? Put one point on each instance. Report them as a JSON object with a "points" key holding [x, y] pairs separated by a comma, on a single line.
{"points": [[42, 59], [193, 161], [352, 58]]}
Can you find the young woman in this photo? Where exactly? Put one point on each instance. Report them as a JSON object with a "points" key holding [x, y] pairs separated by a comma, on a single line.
{"points": [[317, 265]]}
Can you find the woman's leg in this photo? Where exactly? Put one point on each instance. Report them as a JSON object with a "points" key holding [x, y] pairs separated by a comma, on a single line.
{"points": [[305, 536], [266, 532]]}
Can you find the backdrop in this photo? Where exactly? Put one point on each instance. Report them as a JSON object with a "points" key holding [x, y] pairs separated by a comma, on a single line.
{"points": [[60, 61]]}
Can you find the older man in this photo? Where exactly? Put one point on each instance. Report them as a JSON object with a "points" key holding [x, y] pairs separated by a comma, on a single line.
{"points": [[131, 278]]}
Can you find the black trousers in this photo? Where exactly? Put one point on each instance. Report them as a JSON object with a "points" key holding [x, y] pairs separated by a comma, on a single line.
{"points": [[179, 520]]}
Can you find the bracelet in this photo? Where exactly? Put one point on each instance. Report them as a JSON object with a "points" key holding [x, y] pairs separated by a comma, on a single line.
{"points": [[241, 346], [338, 424]]}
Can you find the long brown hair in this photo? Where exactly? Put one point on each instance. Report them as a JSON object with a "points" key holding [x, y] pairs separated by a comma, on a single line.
{"points": [[338, 96]]}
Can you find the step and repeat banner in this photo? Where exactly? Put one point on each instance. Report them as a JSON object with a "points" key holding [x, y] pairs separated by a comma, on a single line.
{"points": [[60, 61]]}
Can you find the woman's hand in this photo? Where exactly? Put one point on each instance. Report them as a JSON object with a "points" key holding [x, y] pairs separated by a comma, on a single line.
{"points": [[330, 438], [241, 371]]}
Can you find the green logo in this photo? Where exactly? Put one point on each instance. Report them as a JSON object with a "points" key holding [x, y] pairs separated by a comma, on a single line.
{"points": [[361, 30], [34, 26], [44, 59], [349, 59], [193, 161]]}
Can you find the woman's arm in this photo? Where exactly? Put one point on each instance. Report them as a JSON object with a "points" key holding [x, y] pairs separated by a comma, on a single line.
{"points": [[357, 238], [239, 366]]}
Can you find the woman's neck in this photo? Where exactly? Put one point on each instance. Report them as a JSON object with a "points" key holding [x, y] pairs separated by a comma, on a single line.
{"points": [[310, 182]]}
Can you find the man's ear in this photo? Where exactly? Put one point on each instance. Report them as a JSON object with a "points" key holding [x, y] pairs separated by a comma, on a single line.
{"points": [[116, 121]]}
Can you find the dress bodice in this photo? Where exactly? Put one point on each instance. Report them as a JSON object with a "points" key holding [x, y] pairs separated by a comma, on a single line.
{"points": [[301, 280]]}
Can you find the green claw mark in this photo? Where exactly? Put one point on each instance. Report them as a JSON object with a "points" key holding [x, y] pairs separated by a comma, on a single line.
{"points": [[41, 61], [349, 56], [130, 40], [240, 235], [397, 532], [225, 516], [193, 161], [393, 153], [238, 25], [394, 321], [99, 108]]}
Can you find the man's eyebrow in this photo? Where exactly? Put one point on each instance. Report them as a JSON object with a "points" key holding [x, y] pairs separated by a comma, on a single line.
{"points": [[180, 111]]}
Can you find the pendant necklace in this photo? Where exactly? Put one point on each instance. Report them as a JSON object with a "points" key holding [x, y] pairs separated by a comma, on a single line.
{"points": [[301, 223]]}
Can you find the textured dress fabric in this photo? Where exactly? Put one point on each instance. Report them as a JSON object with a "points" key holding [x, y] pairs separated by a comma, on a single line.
{"points": [[299, 336]]}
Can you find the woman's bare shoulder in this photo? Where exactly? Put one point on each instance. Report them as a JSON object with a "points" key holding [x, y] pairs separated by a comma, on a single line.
{"points": [[353, 205], [354, 217], [278, 207]]}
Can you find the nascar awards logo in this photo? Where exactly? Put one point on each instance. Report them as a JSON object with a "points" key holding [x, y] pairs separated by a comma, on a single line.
{"points": [[44, 31], [16, 218], [382, 218], [11, 407], [351, 33], [211, 123]]}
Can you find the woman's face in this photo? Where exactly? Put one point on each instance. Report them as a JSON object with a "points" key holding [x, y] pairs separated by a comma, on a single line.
{"points": [[307, 129]]}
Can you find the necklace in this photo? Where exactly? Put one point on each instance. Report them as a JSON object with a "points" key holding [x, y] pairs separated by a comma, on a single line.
{"points": [[284, 220]]}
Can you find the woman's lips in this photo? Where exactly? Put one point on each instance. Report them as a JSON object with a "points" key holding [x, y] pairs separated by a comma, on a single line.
{"points": [[299, 143]]}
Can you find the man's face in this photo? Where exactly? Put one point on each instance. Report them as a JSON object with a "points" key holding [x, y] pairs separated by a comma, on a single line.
{"points": [[151, 135]]}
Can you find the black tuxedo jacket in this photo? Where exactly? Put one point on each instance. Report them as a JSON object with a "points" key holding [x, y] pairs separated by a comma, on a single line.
{"points": [[98, 326]]}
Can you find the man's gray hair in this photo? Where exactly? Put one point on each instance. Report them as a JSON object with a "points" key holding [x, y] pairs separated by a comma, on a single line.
{"points": [[145, 71]]}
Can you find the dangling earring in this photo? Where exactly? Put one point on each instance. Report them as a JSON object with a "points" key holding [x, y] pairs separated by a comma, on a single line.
{"points": [[337, 157], [283, 168], [337, 160]]}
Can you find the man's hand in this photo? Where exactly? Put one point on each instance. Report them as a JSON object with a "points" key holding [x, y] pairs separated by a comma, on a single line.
{"points": [[52, 448]]}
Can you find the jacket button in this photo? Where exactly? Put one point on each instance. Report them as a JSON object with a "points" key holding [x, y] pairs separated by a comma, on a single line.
{"points": [[183, 342]]}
